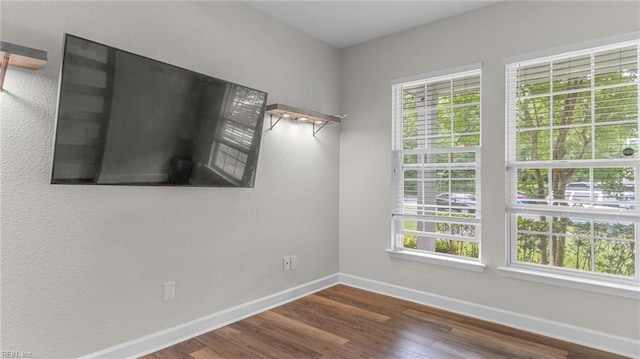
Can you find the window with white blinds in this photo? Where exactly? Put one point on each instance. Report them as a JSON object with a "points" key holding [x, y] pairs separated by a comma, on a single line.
{"points": [[572, 163], [436, 159]]}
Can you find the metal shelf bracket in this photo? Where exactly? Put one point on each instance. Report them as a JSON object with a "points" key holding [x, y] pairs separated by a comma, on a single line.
{"points": [[319, 128], [273, 124]]}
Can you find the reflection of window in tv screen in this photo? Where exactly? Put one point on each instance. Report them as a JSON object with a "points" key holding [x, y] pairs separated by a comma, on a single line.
{"points": [[125, 119]]}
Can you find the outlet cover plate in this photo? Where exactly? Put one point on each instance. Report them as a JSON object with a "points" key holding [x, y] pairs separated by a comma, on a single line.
{"points": [[169, 290]]}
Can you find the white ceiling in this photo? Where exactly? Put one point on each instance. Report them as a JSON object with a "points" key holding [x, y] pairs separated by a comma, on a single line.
{"points": [[346, 23]]}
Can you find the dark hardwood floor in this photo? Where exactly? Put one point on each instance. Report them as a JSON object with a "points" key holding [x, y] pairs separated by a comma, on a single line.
{"points": [[344, 322]]}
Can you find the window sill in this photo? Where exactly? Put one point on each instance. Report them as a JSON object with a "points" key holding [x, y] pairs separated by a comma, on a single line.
{"points": [[592, 285], [451, 262]]}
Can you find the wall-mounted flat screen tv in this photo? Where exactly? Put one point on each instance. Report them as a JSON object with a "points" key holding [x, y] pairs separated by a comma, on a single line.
{"points": [[126, 119]]}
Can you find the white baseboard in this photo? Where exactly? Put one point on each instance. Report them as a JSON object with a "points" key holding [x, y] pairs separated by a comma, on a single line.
{"points": [[160, 340], [574, 334]]}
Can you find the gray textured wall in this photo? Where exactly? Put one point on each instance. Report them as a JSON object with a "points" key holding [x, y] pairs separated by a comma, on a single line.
{"points": [[83, 266], [486, 36]]}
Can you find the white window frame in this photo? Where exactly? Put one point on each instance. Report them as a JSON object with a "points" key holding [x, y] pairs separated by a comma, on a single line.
{"points": [[566, 277], [397, 250]]}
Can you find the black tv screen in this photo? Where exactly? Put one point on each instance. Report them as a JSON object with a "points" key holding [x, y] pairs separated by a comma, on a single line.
{"points": [[125, 119]]}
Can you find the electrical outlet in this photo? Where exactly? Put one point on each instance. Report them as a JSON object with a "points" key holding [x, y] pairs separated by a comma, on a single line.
{"points": [[286, 263], [169, 290], [294, 262]]}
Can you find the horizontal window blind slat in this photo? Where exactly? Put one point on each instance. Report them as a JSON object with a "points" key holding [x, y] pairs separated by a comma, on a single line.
{"points": [[443, 219], [585, 163], [441, 236], [598, 124], [621, 216]]}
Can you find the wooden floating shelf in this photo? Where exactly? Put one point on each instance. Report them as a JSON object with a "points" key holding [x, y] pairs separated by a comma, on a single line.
{"points": [[316, 118], [19, 56]]}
